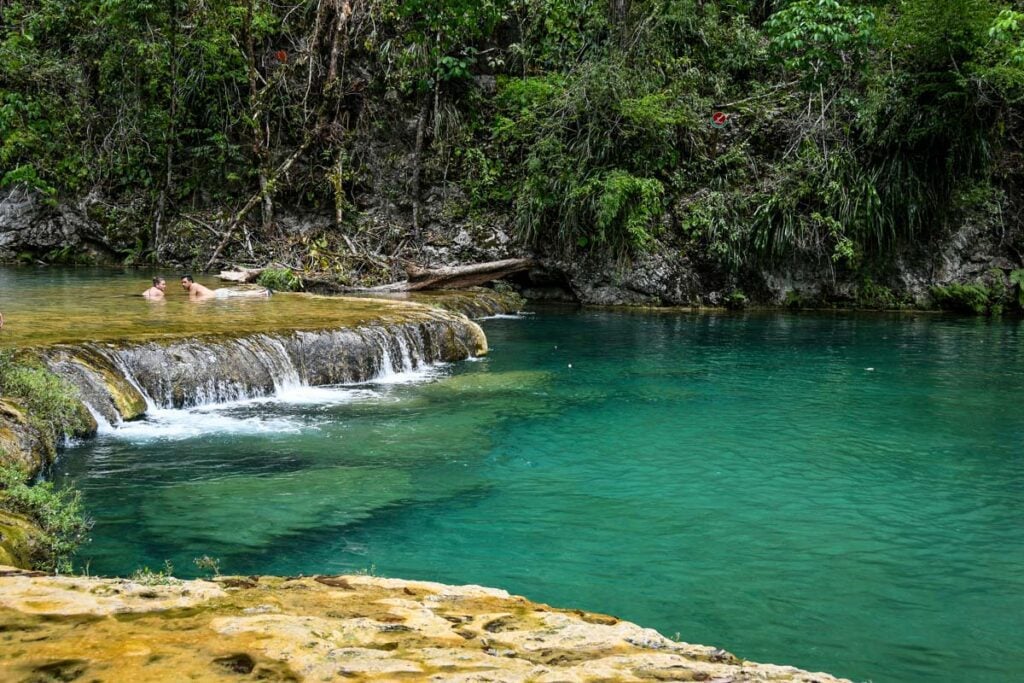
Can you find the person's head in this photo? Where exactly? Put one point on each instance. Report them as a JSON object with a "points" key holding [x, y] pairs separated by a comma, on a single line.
{"points": [[160, 283], [186, 281]]}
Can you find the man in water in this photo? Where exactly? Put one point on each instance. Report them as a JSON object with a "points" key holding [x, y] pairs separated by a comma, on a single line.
{"points": [[156, 292], [197, 291]]}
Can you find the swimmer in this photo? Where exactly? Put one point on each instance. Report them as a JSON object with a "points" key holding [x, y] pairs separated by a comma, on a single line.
{"points": [[1, 321], [156, 292], [197, 292]]}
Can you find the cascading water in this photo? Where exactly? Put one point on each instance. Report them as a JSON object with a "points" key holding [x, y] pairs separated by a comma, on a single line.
{"points": [[191, 373]]}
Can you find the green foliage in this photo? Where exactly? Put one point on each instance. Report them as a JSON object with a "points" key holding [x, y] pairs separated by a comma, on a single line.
{"points": [[622, 209], [597, 151], [975, 299], [58, 512], [821, 41], [735, 300], [208, 564], [50, 402], [857, 128], [280, 280], [870, 294], [159, 577], [796, 300], [1017, 278], [68, 255]]}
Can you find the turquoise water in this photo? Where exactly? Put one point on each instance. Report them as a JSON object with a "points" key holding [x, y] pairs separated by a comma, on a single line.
{"points": [[839, 493]]}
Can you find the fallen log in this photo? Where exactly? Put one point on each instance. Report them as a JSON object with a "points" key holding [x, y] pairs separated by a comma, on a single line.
{"points": [[241, 275], [455, 277]]}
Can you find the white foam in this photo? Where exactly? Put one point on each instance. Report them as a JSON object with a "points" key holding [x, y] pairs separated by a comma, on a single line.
{"points": [[424, 373], [175, 425], [237, 416], [506, 316], [298, 395], [103, 425]]}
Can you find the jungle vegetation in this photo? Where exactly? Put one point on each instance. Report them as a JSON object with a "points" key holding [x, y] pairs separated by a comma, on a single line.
{"points": [[851, 127]]}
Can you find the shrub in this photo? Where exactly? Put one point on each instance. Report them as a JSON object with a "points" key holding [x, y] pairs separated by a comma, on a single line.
{"points": [[976, 299], [58, 513], [1017, 278], [870, 294], [735, 300], [51, 402], [160, 577], [280, 279]]}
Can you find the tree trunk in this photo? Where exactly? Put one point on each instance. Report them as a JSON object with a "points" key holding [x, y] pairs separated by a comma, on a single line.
{"points": [[456, 277], [417, 162], [619, 14], [259, 152], [338, 184], [171, 136]]}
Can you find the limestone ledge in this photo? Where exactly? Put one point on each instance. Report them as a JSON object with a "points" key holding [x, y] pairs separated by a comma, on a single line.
{"points": [[330, 628]]}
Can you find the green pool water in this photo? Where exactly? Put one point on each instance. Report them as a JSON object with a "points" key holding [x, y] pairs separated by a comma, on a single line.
{"points": [[839, 493]]}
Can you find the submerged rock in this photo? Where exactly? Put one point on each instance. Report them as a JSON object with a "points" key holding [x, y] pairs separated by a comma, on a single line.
{"points": [[326, 628]]}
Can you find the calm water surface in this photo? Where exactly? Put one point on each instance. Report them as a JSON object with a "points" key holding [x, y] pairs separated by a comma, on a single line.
{"points": [[52, 305], [840, 493]]}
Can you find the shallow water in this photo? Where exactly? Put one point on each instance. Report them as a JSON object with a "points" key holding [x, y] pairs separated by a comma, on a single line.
{"points": [[839, 493], [50, 305]]}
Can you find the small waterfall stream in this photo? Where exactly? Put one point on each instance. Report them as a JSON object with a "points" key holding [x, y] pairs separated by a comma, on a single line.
{"points": [[120, 382]]}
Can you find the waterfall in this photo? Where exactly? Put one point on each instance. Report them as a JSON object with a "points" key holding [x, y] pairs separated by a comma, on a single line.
{"points": [[409, 363], [123, 381]]}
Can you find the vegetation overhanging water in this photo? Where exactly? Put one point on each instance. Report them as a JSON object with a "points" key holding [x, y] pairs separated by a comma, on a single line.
{"points": [[834, 492]]}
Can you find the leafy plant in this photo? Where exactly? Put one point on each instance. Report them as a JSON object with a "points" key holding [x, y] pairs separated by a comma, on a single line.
{"points": [[962, 298], [1017, 278], [160, 577], [208, 564], [57, 511], [735, 300], [819, 40], [280, 279], [51, 403], [870, 294]]}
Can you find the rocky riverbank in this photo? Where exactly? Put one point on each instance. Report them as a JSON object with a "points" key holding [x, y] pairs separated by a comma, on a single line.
{"points": [[330, 627]]}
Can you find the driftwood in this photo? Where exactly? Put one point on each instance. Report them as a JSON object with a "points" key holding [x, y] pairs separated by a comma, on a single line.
{"points": [[455, 277], [242, 275]]}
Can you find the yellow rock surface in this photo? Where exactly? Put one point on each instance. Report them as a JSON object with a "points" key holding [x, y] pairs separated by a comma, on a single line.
{"points": [[330, 628]]}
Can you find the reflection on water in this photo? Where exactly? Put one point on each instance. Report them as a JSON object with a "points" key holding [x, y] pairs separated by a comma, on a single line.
{"points": [[743, 480]]}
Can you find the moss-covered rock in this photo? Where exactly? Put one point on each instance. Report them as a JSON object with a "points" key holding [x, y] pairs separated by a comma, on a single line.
{"points": [[18, 537], [99, 381], [21, 443]]}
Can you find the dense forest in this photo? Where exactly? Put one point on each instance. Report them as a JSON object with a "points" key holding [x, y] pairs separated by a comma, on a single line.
{"points": [[678, 150]]}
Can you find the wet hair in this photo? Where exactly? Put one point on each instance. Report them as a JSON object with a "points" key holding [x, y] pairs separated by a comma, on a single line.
{"points": [[158, 280], [187, 277]]}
